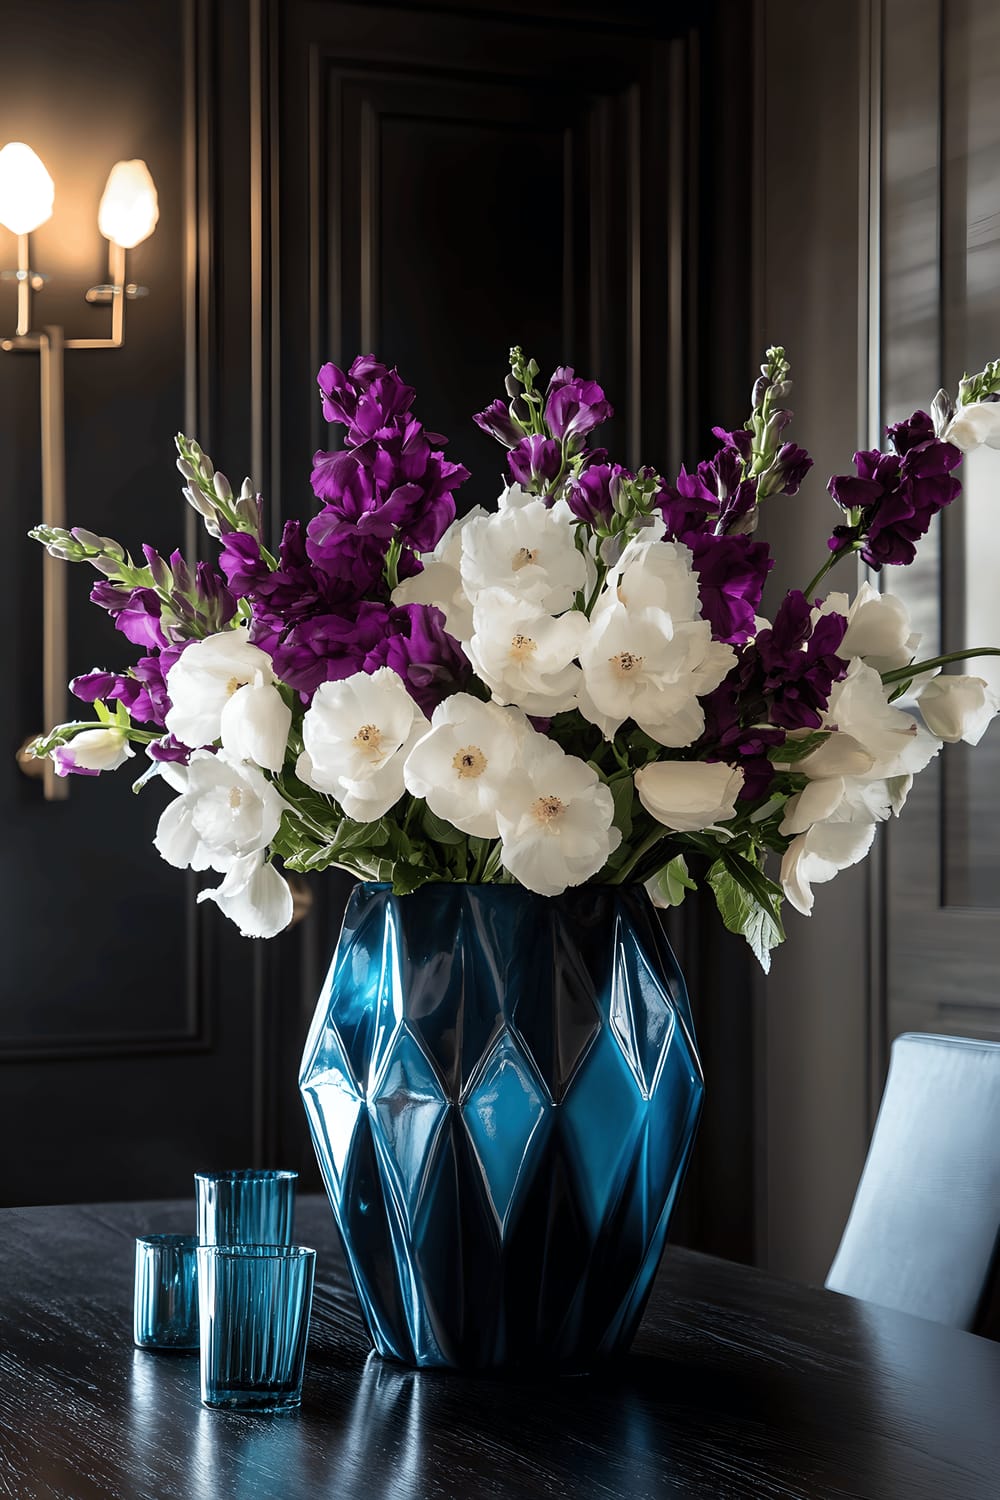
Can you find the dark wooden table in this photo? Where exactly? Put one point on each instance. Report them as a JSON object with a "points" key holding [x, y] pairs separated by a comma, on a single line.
{"points": [[739, 1385]]}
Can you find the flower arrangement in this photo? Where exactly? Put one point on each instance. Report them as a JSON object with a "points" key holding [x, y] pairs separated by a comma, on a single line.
{"points": [[574, 687]]}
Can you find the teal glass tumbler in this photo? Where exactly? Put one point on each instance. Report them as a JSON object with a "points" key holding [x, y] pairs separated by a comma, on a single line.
{"points": [[254, 1303], [165, 1304], [246, 1207]]}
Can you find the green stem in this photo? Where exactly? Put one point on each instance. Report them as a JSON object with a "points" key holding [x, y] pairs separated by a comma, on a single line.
{"points": [[649, 842], [831, 562], [916, 668]]}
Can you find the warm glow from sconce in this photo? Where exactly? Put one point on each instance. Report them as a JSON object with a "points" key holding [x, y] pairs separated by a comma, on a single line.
{"points": [[26, 189], [129, 209]]}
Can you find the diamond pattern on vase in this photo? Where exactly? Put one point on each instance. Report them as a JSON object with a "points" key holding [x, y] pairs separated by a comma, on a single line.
{"points": [[605, 1090], [639, 1013], [502, 1114], [332, 1102], [408, 1105]]}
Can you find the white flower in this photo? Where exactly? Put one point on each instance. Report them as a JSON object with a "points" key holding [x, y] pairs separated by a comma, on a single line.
{"points": [[820, 854], [93, 751], [527, 549], [555, 820], [880, 748], [226, 810], [973, 425], [868, 729], [204, 679], [459, 764], [254, 896], [512, 496], [878, 628], [956, 708], [648, 655], [255, 724], [525, 656], [688, 795], [440, 584], [357, 734]]}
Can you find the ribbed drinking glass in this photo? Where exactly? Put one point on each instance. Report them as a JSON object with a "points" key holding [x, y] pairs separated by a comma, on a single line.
{"points": [[245, 1207], [254, 1303], [165, 1306]]}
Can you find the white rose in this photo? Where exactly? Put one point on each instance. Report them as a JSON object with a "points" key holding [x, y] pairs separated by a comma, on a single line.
{"points": [[555, 818], [440, 584], [254, 896], [93, 751], [878, 628], [688, 795], [226, 810], [524, 655], [357, 734], [460, 763], [958, 708], [205, 677], [527, 549], [973, 425]]}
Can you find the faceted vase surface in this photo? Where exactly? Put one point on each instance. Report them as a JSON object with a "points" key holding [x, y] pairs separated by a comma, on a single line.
{"points": [[503, 1091]]}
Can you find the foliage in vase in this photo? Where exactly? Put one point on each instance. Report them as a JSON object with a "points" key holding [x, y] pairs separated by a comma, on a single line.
{"points": [[576, 686]]}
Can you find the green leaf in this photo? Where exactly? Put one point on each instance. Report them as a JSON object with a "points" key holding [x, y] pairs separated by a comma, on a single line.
{"points": [[673, 881], [749, 904], [441, 832], [622, 790]]}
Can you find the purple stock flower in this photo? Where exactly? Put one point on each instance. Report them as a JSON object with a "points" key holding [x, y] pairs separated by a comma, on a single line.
{"points": [[142, 689], [591, 495], [535, 461], [169, 748], [574, 407], [792, 465], [727, 738], [135, 612], [686, 506], [731, 572], [897, 494], [797, 663], [498, 422], [367, 399], [740, 439], [327, 647], [419, 649]]}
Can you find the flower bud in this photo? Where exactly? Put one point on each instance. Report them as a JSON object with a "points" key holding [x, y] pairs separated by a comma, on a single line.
{"points": [[958, 708], [222, 487]]}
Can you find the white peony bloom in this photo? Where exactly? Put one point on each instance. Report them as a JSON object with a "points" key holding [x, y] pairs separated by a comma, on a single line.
{"points": [[819, 855], [556, 820], [440, 584], [459, 764], [956, 708], [642, 664], [254, 896], [205, 677], [513, 496], [878, 628], [653, 574], [688, 795], [357, 734], [92, 751], [524, 656], [527, 549], [226, 810], [973, 425], [255, 723]]}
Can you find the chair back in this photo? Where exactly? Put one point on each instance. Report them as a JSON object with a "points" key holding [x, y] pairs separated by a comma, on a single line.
{"points": [[923, 1232]]}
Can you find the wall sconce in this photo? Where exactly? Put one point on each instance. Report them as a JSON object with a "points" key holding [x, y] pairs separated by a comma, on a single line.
{"points": [[127, 215]]}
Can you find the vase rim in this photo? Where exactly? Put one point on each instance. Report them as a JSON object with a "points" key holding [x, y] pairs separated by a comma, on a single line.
{"points": [[480, 885]]}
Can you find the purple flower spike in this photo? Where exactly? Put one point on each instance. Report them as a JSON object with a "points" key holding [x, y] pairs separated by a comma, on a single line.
{"points": [[798, 663], [793, 464], [136, 612], [419, 649], [575, 407], [898, 494], [591, 495], [498, 422], [535, 462], [731, 572]]}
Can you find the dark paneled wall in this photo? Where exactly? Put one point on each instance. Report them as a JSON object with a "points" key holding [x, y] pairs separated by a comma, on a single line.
{"points": [[433, 182]]}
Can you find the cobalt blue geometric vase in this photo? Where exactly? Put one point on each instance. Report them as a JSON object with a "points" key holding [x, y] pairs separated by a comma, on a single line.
{"points": [[503, 1091]]}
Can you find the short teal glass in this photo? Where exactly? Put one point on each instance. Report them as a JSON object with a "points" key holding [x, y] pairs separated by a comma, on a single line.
{"points": [[165, 1303], [254, 1303], [245, 1207], [503, 1091]]}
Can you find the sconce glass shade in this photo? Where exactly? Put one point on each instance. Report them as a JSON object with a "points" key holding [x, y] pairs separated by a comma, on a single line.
{"points": [[26, 189], [129, 209]]}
